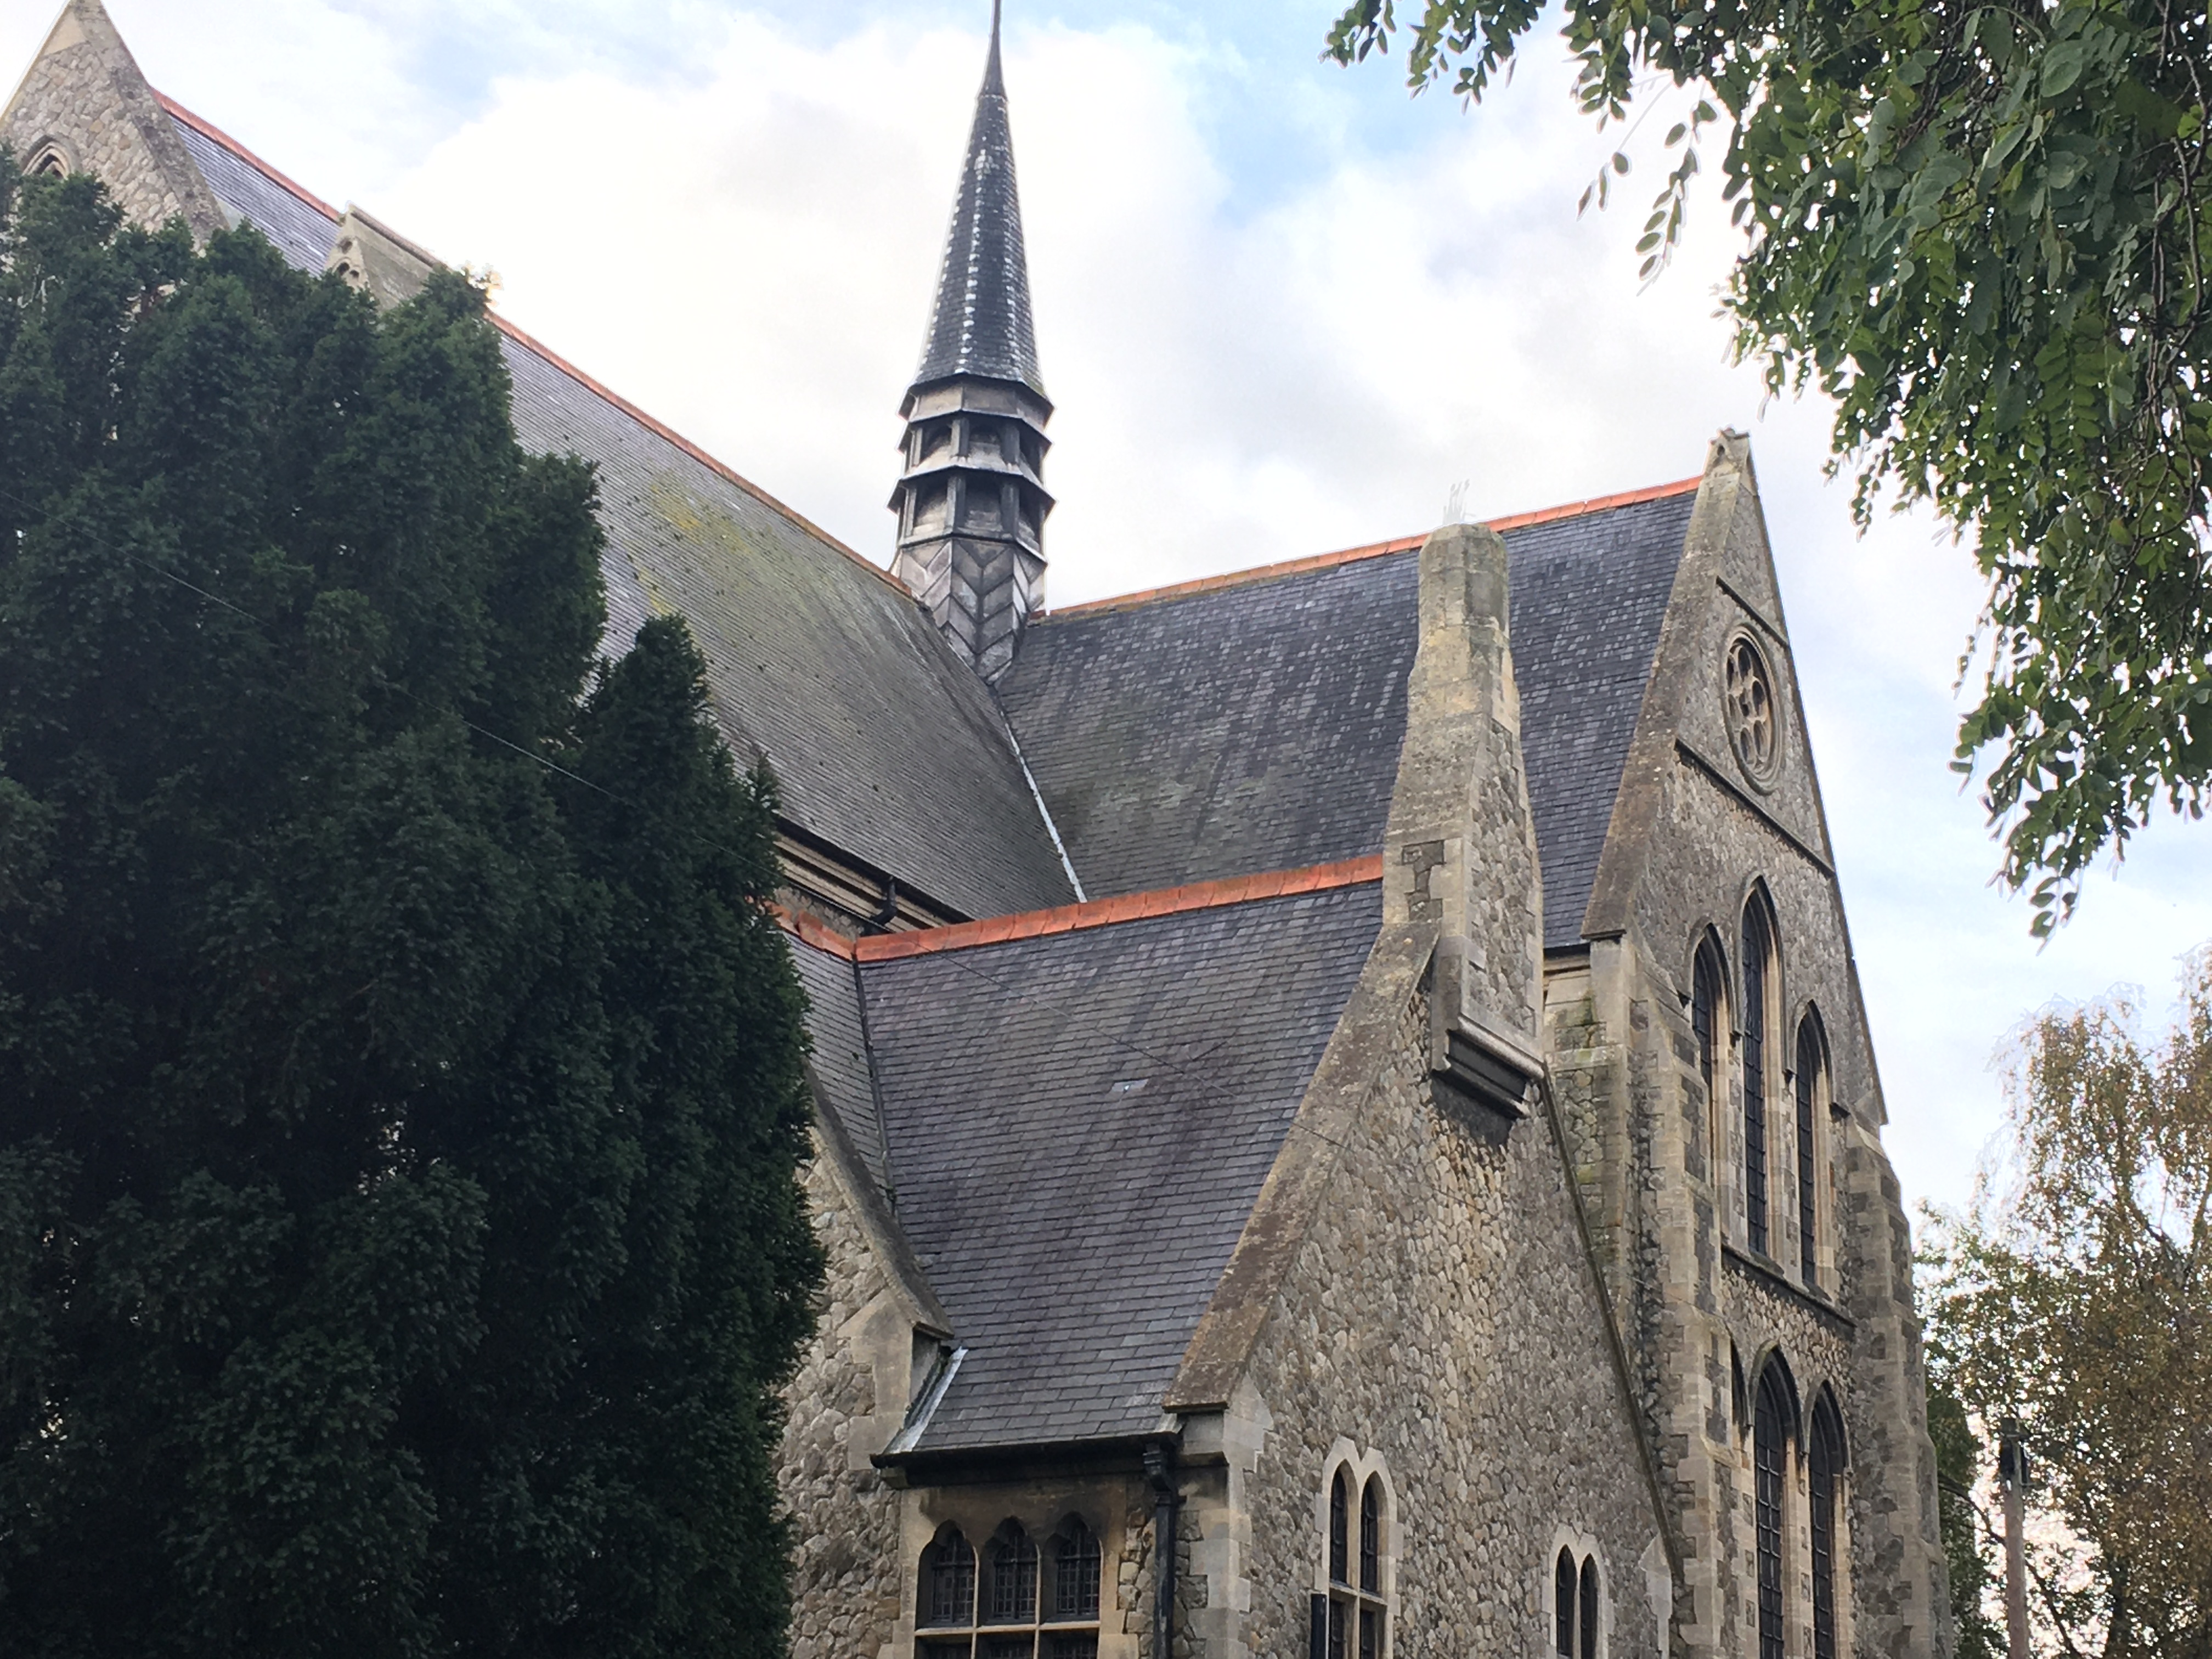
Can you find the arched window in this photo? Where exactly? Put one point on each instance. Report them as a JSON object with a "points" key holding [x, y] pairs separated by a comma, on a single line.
{"points": [[1758, 976], [1351, 1612], [1074, 1573], [1826, 1464], [1339, 1527], [1577, 1605], [1770, 1439], [1565, 1587], [1012, 1596], [948, 1580], [1011, 1609], [1707, 976], [1370, 1537], [1812, 1092]]}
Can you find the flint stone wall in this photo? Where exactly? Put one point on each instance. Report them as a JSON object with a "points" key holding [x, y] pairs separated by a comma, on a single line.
{"points": [[845, 1584], [1441, 1315]]}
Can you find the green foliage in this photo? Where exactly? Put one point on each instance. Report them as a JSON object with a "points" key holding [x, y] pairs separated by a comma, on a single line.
{"points": [[400, 1081], [1983, 230], [2076, 1298], [1969, 1542]]}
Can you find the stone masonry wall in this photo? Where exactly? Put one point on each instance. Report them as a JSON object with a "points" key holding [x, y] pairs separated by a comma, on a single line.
{"points": [[1441, 1317], [85, 96], [845, 1522]]}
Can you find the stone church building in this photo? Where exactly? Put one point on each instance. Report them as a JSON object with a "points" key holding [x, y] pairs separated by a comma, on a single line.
{"points": [[1346, 1124]]}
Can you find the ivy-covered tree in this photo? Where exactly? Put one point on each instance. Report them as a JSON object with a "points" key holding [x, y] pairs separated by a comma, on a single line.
{"points": [[400, 1079], [1983, 228]]}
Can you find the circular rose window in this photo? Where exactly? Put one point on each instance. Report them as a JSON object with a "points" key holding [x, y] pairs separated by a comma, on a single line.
{"points": [[1752, 719]]}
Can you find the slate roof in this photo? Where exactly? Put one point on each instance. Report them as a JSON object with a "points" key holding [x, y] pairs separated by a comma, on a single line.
{"points": [[1254, 725], [981, 323], [886, 744], [1074, 1227], [840, 1058]]}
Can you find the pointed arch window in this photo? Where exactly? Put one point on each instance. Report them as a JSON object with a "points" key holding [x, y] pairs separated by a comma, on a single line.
{"points": [[1075, 1557], [1707, 976], [1578, 1606], [1351, 1614], [1757, 978], [1012, 1598], [948, 1580], [1812, 1093], [1017, 1602], [1769, 1440], [1824, 1465]]}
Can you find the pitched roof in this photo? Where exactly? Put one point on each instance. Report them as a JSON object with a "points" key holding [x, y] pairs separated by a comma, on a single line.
{"points": [[884, 744], [1252, 724], [1079, 1122], [981, 323]]}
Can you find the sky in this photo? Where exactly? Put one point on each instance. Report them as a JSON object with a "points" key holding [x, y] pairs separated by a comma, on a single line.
{"points": [[1282, 308]]}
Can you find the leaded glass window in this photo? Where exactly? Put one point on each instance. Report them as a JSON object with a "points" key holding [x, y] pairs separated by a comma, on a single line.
{"points": [[1824, 1464], [948, 1580], [1351, 1616], [1019, 1601], [1770, 1446]]}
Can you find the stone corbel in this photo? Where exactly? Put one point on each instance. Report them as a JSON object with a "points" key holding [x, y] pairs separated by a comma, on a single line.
{"points": [[1470, 1057]]}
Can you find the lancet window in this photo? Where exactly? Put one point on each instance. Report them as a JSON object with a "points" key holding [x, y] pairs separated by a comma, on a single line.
{"points": [[1352, 1615], [1824, 1465], [1707, 976], [1811, 1096], [1770, 1441], [1018, 1603], [1578, 1606], [1757, 978]]}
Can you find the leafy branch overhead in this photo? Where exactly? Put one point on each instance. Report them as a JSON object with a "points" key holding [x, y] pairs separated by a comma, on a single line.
{"points": [[1982, 230]]}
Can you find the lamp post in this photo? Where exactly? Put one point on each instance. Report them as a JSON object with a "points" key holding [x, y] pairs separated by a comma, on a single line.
{"points": [[2012, 1480]]}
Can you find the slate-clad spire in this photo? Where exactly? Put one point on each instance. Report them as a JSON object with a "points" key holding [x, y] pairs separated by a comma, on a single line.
{"points": [[972, 501], [981, 323]]}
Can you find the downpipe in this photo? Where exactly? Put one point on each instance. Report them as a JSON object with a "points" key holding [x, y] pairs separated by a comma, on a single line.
{"points": [[1167, 1499]]}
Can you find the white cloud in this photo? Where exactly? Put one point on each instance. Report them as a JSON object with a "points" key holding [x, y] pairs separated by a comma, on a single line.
{"points": [[737, 226]]}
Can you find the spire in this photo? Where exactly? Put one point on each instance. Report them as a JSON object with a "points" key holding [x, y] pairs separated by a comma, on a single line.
{"points": [[972, 501], [981, 323]]}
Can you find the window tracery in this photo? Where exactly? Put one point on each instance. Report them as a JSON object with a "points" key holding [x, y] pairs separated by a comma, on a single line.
{"points": [[1749, 704]]}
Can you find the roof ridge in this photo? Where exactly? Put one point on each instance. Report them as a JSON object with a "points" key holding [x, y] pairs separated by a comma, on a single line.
{"points": [[729, 475], [1105, 912], [1369, 551]]}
